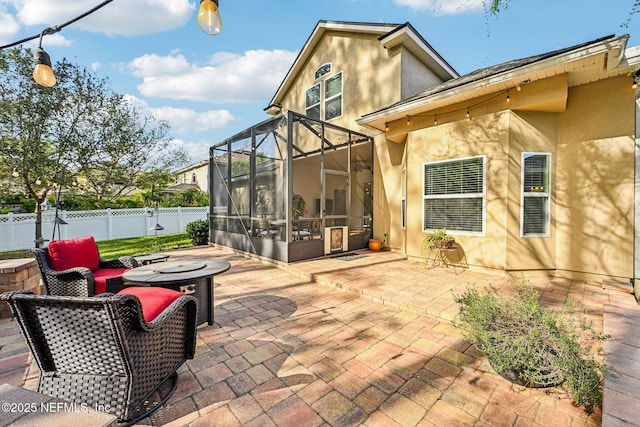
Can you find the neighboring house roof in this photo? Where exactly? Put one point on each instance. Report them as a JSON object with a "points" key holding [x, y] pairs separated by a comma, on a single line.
{"points": [[192, 166], [390, 35], [180, 188], [607, 55]]}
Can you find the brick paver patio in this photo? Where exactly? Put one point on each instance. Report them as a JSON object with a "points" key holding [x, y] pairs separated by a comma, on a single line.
{"points": [[366, 341]]}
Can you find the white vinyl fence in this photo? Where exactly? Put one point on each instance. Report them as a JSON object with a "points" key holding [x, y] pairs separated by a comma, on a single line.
{"points": [[18, 231]]}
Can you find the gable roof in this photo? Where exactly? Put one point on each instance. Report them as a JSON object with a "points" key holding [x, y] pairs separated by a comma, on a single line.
{"points": [[389, 35], [510, 74]]}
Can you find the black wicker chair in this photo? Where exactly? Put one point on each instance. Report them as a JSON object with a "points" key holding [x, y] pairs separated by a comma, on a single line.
{"points": [[99, 351], [79, 281]]}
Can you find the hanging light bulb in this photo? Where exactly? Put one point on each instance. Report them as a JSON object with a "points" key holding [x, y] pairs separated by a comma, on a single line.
{"points": [[15, 173], [386, 127], [42, 73], [435, 120], [408, 121], [468, 114], [38, 181], [508, 97], [209, 17]]}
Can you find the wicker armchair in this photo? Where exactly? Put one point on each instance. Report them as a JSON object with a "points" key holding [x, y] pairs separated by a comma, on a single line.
{"points": [[80, 281], [100, 351]]}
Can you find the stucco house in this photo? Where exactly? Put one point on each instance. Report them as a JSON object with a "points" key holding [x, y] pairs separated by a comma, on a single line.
{"points": [[530, 164], [192, 177]]}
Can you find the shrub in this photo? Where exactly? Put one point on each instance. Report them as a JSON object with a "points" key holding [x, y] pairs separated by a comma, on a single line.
{"points": [[198, 231], [531, 345]]}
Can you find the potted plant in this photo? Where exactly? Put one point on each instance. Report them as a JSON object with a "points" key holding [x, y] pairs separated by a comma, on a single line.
{"points": [[375, 245], [438, 239], [531, 345]]}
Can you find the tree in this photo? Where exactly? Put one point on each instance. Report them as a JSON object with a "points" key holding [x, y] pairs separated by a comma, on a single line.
{"points": [[39, 127], [77, 131], [494, 7], [126, 149]]}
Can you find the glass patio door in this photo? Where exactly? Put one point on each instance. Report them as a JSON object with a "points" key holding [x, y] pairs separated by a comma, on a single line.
{"points": [[335, 198]]}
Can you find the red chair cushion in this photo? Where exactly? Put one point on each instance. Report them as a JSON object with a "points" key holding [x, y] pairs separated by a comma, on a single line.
{"points": [[80, 252], [102, 275], [153, 300]]}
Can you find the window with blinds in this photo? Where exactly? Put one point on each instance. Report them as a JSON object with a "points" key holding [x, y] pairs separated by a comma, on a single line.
{"points": [[536, 194], [454, 195]]}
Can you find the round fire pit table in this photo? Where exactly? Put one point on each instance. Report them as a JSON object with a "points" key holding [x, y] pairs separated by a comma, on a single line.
{"points": [[193, 276]]}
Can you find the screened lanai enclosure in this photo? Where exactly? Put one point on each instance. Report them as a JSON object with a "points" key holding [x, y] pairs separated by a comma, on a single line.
{"points": [[292, 188]]}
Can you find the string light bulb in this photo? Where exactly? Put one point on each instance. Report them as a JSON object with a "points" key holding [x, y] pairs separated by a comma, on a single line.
{"points": [[15, 173], [386, 127], [209, 18], [468, 114], [42, 72], [508, 97], [435, 120], [408, 121], [38, 181]]}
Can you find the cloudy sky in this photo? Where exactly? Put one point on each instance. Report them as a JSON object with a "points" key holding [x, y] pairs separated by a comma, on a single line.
{"points": [[210, 87]]}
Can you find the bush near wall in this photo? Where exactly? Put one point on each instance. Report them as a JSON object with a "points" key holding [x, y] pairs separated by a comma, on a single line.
{"points": [[198, 231]]}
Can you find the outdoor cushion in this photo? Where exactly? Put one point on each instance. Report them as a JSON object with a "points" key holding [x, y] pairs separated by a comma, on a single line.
{"points": [[153, 300], [80, 252], [101, 276]]}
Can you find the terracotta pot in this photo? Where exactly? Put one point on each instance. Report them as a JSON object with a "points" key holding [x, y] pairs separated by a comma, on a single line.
{"points": [[375, 244]]}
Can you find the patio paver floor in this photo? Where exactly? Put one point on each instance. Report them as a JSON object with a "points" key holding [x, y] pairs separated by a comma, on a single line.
{"points": [[375, 348]]}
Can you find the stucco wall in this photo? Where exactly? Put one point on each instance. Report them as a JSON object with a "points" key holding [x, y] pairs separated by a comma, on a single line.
{"points": [[415, 76], [595, 175], [483, 136], [592, 152], [530, 132], [371, 77]]}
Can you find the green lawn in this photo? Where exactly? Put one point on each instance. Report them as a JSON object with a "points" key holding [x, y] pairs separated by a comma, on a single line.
{"points": [[110, 249]]}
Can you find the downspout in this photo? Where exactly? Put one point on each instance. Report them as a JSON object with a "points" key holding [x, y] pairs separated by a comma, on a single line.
{"points": [[635, 281]]}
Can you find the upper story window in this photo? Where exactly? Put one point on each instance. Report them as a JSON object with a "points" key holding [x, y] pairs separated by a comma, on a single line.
{"points": [[312, 102], [536, 195], [323, 100], [454, 195], [333, 97], [193, 177], [323, 70]]}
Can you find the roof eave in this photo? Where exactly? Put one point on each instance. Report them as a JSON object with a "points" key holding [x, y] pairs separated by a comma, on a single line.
{"points": [[500, 80], [409, 38]]}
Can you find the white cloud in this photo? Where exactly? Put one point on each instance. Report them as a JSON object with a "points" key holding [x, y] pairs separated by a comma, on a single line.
{"points": [[197, 150], [120, 17], [151, 65], [228, 78], [9, 27], [446, 7], [95, 66], [184, 120]]}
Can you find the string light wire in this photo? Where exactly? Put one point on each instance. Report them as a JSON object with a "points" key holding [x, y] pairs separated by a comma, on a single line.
{"points": [[56, 28]]}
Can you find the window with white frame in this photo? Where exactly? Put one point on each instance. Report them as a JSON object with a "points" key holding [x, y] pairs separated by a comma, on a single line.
{"points": [[454, 195], [312, 102], [536, 195], [333, 97], [403, 199]]}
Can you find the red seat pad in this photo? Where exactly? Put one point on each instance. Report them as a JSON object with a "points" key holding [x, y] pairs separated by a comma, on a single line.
{"points": [[153, 300], [100, 277], [80, 252]]}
